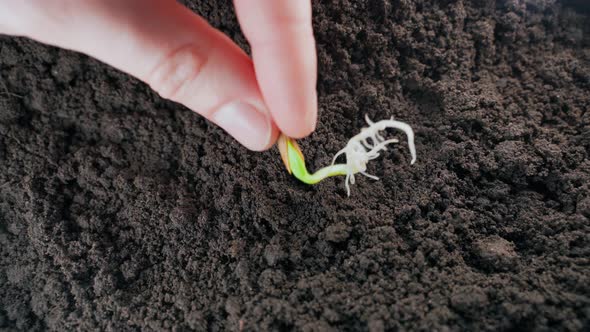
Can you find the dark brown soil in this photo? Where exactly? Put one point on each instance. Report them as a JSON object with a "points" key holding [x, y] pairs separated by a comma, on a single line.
{"points": [[122, 211]]}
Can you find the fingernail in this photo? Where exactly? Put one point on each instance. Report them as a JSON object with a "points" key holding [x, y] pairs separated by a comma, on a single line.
{"points": [[312, 115], [248, 125]]}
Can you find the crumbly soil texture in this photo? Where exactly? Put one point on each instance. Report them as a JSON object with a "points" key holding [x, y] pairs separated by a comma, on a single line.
{"points": [[122, 211]]}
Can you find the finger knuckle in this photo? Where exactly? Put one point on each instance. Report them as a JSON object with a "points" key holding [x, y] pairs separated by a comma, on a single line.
{"points": [[176, 71]]}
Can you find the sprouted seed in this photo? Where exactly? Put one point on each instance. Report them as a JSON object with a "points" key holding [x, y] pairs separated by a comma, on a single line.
{"points": [[359, 150]]}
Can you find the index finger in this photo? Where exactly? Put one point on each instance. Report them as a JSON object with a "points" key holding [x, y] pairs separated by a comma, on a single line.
{"points": [[284, 55]]}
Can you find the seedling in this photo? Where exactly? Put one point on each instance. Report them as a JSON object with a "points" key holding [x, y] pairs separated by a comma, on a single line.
{"points": [[359, 151]]}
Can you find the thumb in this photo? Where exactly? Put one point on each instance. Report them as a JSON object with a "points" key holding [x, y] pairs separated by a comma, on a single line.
{"points": [[167, 46]]}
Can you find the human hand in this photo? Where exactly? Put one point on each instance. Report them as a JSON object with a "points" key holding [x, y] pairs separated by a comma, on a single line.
{"points": [[184, 59]]}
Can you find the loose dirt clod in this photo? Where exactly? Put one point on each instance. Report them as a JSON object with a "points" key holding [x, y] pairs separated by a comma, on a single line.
{"points": [[495, 253]]}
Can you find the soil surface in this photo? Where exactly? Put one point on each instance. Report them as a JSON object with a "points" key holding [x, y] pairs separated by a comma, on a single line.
{"points": [[122, 211]]}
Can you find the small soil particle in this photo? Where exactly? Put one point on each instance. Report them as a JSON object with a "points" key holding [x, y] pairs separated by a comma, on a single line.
{"points": [[495, 253]]}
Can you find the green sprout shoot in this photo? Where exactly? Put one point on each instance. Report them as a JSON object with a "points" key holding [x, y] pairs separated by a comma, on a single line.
{"points": [[295, 163], [359, 151]]}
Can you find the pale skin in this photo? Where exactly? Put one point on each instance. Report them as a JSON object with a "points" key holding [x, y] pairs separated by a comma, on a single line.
{"points": [[184, 59]]}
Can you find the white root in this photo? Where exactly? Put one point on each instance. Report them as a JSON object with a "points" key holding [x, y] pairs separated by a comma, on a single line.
{"points": [[368, 144]]}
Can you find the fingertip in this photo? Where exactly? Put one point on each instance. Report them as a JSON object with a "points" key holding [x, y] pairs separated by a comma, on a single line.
{"points": [[250, 125], [266, 140], [288, 85], [283, 50], [274, 136], [298, 121]]}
